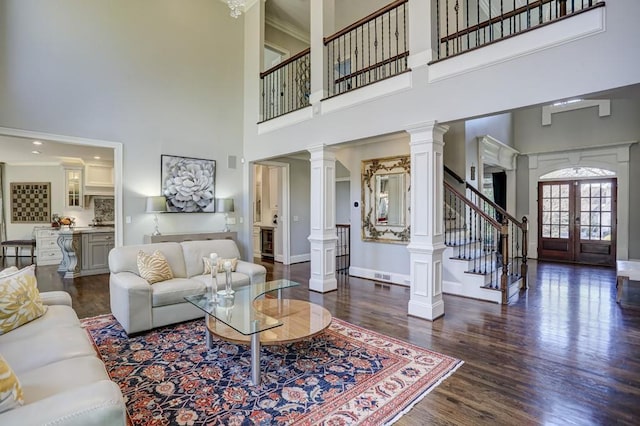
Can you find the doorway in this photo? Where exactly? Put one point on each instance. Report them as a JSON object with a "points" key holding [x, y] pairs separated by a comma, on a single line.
{"points": [[578, 221]]}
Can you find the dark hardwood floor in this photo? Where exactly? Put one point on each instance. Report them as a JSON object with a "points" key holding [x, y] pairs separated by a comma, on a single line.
{"points": [[565, 353]]}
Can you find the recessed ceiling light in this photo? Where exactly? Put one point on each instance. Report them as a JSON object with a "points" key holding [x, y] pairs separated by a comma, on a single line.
{"points": [[35, 152], [96, 157], [37, 143]]}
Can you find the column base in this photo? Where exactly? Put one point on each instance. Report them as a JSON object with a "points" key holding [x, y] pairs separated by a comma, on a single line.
{"points": [[424, 311], [323, 286]]}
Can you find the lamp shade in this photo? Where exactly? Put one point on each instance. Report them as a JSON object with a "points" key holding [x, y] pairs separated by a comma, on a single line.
{"points": [[156, 204], [224, 205]]}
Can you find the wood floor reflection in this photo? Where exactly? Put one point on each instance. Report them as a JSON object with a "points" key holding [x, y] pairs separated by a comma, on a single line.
{"points": [[565, 353]]}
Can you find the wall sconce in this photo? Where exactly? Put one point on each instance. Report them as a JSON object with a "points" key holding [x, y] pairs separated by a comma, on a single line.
{"points": [[156, 205], [225, 205], [473, 172]]}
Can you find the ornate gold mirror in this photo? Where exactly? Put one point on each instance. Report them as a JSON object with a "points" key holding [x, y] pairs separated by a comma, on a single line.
{"points": [[385, 199]]}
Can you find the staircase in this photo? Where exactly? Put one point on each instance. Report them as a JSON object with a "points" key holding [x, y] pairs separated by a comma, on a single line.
{"points": [[486, 254]]}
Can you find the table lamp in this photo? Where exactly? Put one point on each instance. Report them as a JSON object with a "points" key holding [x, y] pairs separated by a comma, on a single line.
{"points": [[225, 205], [157, 204]]}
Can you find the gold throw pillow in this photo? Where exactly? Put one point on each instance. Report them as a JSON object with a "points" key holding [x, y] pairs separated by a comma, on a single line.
{"points": [[207, 264], [19, 299], [10, 389], [154, 267]]}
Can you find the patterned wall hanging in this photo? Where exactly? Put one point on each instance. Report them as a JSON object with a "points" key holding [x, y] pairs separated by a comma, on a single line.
{"points": [[31, 202]]}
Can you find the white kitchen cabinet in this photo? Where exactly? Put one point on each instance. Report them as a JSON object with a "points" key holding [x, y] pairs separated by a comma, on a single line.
{"points": [[73, 198], [48, 251], [98, 175]]}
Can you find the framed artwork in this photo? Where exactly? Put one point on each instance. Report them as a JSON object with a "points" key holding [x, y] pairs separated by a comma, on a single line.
{"points": [[188, 184], [30, 202]]}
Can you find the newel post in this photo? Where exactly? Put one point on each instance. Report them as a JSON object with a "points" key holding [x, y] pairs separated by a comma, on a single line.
{"points": [[504, 279], [524, 268]]}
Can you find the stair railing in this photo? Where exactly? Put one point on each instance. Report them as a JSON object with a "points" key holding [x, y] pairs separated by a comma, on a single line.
{"points": [[481, 239], [518, 230]]}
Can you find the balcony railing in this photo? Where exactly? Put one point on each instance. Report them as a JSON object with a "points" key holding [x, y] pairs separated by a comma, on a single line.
{"points": [[369, 50], [463, 25], [286, 86]]}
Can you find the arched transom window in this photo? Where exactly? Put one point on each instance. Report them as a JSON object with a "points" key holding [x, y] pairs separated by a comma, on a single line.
{"points": [[577, 172]]}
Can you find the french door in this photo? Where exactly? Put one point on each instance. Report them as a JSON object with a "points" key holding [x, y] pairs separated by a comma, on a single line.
{"points": [[577, 221]]}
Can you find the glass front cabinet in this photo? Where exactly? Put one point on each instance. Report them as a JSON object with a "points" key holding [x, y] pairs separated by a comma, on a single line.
{"points": [[73, 187]]}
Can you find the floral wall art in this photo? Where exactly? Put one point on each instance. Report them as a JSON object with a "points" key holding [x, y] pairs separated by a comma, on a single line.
{"points": [[188, 184]]}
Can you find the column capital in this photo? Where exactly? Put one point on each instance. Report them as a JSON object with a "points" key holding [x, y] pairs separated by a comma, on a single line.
{"points": [[428, 130], [322, 152]]}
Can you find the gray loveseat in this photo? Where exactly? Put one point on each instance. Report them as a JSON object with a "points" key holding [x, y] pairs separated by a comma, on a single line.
{"points": [[140, 306]]}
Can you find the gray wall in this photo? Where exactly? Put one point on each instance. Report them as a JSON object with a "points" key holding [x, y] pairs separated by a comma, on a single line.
{"points": [[154, 75], [343, 202], [581, 128]]}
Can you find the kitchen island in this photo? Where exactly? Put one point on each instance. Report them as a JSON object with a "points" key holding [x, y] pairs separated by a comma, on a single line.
{"points": [[85, 250]]}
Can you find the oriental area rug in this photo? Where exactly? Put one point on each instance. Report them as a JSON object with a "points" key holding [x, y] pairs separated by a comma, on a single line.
{"points": [[345, 375]]}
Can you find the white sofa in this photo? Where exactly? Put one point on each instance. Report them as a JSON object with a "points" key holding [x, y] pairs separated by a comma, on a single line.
{"points": [[63, 381], [140, 306]]}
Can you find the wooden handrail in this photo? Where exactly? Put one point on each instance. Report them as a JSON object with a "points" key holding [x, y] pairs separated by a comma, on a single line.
{"points": [[285, 62], [364, 20], [453, 174], [492, 203], [518, 11], [494, 223], [372, 67]]}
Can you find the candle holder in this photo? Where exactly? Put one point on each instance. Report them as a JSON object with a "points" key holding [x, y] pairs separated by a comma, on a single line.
{"points": [[212, 289], [227, 275]]}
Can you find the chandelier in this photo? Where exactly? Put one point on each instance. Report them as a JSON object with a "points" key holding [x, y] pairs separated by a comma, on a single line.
{"points": [[236, 7]]}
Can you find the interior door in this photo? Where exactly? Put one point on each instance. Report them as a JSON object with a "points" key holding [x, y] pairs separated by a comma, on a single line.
{"points": [[577, 221]]}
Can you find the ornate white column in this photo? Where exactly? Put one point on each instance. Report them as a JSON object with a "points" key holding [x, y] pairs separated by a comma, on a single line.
{"points": [[427, 223], [323, 219]]}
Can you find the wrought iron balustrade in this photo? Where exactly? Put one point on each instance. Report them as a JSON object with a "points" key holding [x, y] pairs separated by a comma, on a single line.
{"points": [[369, 50], [484, 233], [286, 87], [464, 25]]}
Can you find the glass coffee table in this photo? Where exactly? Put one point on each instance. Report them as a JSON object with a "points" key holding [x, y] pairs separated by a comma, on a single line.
{"points": [[243, 318]]}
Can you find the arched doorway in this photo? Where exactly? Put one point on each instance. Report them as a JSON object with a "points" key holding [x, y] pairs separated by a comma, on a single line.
{"points": [[577, 211]]}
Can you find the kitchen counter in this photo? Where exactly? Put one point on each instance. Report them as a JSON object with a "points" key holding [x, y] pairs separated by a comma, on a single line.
{"points": [[86, 229], [85, 250]]}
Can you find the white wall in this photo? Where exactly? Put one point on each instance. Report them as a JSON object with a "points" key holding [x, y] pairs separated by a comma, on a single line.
{"points": [[159, 76], [350, 11], [343, 202]]}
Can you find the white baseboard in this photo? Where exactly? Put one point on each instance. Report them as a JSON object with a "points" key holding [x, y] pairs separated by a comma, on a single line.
{"points": [[382, 276], [299, 258]]}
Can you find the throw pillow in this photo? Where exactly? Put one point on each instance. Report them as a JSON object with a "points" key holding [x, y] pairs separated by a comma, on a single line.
{"points": [[234, 264], [19, 299], [10, 389], [220, 265], [154, 267], [10, 270]]}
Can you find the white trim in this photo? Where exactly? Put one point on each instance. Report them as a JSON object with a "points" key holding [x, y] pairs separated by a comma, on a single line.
{"points": [[389, 86], [546, 37], [117, 165], [285, 120], [284, 219], [300, 258], [495, 153], [370, 274], [278, 49], [287, 28], [604, 108], [614, 157]]}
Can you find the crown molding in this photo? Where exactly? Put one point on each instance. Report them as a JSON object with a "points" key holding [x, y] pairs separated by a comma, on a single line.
{"points": [[287, 28]]}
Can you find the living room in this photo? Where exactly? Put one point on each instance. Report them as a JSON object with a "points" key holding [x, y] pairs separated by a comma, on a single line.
{"points": [[165, 79]]}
